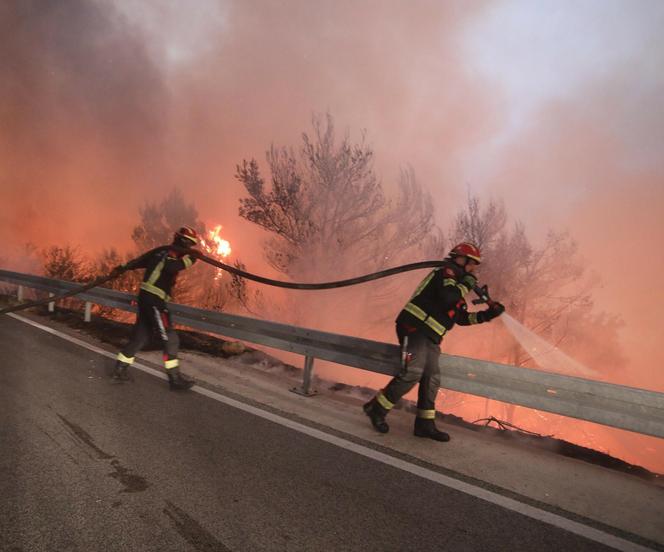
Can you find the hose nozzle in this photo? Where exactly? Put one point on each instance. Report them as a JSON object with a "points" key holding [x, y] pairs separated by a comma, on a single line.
{"points": [[482, 294]]}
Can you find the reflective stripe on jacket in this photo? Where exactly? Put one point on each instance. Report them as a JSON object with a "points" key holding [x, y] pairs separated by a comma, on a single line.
{"points": [[161, 269], [438, 304]]}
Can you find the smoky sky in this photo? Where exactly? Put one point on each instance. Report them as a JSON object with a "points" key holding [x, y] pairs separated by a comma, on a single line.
{"points": [[112, 107], [82, 111]]}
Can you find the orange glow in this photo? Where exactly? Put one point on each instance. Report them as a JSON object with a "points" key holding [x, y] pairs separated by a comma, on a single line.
{"points": [[216, 247], [215, 244]]}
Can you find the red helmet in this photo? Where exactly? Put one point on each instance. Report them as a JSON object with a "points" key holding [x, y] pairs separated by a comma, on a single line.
{"points": [[186, 233], [467, 249]]}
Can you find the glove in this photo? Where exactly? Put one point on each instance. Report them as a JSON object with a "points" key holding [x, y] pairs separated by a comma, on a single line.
{"points": [[468, 280], [496, 309]]}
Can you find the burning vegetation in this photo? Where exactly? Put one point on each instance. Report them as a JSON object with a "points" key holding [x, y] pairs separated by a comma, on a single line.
{"points": [[328, 216], [216, 247]]}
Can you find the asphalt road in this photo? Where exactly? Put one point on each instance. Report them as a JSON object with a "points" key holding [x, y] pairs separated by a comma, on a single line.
{"points": [[89, 465]]}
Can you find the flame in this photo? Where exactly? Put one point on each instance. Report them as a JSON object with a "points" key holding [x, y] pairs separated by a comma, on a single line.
{"points": [[216, 246]]}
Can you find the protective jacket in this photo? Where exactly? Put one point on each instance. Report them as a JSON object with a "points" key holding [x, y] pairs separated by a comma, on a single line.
{"points": [[161, 269], [438, 304]]}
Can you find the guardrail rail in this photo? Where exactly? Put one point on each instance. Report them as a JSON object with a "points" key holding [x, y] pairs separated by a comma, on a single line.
{"points": [[630, 408]]}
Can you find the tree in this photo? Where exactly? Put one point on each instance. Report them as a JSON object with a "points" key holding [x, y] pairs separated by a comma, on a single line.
{"points": [[128, 282], [203, 285], [209, 287], [544, 287], [537, 284], [160, 220], [329, 217], [326, 206], [106, 261], [64, 263], [483, 227]]}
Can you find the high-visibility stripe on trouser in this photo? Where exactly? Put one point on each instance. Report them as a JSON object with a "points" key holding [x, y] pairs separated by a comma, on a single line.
{"points": [[426, 414], [170, 364], [125, 359], [382, 401]]}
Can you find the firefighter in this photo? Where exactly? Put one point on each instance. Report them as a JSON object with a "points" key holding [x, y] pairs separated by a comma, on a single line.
{"points": [[436, 306], [161, 270]]}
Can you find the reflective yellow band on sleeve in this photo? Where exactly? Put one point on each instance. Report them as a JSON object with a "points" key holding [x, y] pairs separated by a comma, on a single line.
{"points": [[125, 359], [187, 261], [426, 414], [146, 286], [418, 313], [463, 289], [382, 401], [472, 318], [170, 364]]}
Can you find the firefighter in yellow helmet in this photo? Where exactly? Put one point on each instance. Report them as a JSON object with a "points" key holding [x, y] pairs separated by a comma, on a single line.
{"points": [[161, 270], [436, 306]]}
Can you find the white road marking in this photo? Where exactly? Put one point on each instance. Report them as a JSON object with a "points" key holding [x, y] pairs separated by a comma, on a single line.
{"points": [[494, 498]]}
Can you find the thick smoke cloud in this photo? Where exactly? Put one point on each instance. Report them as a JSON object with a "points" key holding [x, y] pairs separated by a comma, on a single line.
{"points": [[373, 65], [594, 164], [113, 104], [82, 108]]}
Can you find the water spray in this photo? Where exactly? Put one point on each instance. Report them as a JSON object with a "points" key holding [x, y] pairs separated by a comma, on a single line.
{"points": [[547, 356]]}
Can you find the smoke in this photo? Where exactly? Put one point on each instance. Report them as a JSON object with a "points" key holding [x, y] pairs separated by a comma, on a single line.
{"points": [[82, 108], [581, 168], [271, 65], [112, 104]]}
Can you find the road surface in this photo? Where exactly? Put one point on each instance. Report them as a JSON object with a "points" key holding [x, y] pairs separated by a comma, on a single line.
{"points": [[88, 465]]}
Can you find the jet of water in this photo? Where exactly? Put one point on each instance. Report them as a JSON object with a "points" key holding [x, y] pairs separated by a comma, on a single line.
{"points": [[547, 356]]}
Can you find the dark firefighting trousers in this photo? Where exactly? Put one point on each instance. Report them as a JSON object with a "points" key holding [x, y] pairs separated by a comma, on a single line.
{"points": [[422, 367], [153, 319]]}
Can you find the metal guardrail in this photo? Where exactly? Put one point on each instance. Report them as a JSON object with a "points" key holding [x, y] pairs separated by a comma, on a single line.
{"points": [[629, 408]]}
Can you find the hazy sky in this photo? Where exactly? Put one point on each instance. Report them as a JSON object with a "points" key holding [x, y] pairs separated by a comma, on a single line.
{"points": [[554, 107]]}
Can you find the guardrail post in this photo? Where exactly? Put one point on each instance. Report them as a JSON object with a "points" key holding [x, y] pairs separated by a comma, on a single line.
{"points": [[51, 305], [19, 294], [306, 379], [88, 307]]}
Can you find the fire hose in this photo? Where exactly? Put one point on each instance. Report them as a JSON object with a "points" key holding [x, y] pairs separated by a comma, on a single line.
{"points": [[482, 292]]}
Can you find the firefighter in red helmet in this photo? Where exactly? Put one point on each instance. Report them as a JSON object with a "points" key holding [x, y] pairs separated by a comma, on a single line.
{"points": [[436, 306], [161, 270]]}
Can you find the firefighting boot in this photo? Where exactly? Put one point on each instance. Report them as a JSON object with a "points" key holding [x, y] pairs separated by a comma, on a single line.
{"points": [[121, 372], [428, 429], [377, 415], [177, 381]]}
